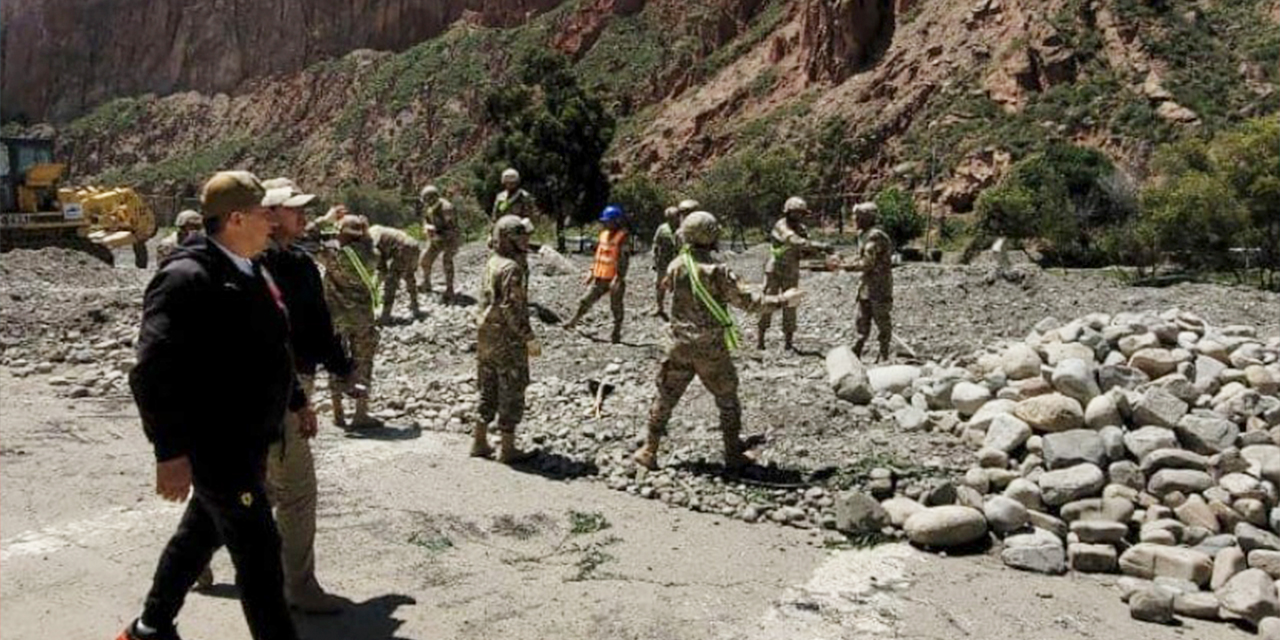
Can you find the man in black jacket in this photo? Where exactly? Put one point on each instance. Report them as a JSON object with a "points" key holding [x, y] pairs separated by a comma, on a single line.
{"points": [[214, 327], [291, 473]]}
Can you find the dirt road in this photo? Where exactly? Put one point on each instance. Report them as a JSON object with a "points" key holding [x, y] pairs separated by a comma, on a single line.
{"points": [[428, 543]]}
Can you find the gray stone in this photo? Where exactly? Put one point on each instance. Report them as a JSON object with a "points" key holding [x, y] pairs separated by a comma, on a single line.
{"points": [[1073, 483], [1200, 605], [939, 494], [1039, 551], [1262, 458], [1179, 387], [1228, 562], [1269, 629], [1251, 537], [1249, 595], [1091, 558], [1132, 344], [911, 418], [1173, 459], [1267, 560], [1100, 531], [989, 411], [857, 512], [1186, 481], [1056, 352], [1113, 443], [1147, 561], [900, 510], [1147, 439], [1195, 512], [1154, 362], [1006, 433], [1074, 378], [968, 398], [847, 376], [992, 459], [1042, 520], [1107, 509], [1102, 412], [895, 378], [1069, 448], [1206, 435], [1050, 413], [1207, 371], [1154, 604], [1119, 376], [1025, 492], [1128, 474], [1005, 515], [945, 527], [1020, 361], [1159, 408]]}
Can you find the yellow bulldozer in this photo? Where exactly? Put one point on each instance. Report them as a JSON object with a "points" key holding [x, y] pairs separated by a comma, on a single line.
{"points": [[37, 211]]}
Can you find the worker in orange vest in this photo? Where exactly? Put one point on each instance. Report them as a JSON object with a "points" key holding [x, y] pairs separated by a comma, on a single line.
{"points": [[608, 270]]}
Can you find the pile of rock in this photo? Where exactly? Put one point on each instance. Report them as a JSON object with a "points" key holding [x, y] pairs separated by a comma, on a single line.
{"points": [[1143, 444]]}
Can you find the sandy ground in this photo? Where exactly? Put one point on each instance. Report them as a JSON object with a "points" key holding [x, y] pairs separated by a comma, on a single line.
{"points": [[428, 543]]}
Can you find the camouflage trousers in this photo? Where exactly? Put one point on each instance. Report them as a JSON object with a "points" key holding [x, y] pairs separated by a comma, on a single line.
{"points": [[718, 374], [445, 248], [616, 296], [502, 383], [881, 312], [402, 268], [774, 284], [361, 342], [659, 273], [291, 487]]}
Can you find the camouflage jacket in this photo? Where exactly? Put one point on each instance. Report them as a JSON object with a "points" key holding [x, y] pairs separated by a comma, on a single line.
{"points": [[521, 204], [693, 324], [788, 243], [395, 247], [504, 311], [350, 299], [440, 215], [875, 261], [166, 246], [665, 247]]}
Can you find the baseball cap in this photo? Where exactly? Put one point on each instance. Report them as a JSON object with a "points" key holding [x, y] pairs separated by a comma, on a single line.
{"points": [[283, 192], [229, 191]]}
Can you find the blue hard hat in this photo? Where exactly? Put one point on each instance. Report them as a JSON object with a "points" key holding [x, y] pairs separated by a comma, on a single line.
{"points": [[611, 213]]}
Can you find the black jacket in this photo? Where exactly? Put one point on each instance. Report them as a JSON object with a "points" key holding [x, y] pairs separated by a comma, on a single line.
{"points": [[314, 340], [214, 374]]}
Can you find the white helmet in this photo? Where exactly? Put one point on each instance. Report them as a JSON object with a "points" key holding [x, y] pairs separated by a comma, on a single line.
{"points": [[688, 206], [795, 204], [510, 176], [429, 192]]}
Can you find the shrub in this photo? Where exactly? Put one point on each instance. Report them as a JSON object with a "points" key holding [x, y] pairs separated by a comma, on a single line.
{"points": [[643, 199], [748, 188], [381, 206], [898, 216], [1196, 218]]}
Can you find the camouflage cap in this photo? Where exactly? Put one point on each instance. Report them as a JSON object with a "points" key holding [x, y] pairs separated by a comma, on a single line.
{"points": [[354, 226], [188, 218], [230, 191]]}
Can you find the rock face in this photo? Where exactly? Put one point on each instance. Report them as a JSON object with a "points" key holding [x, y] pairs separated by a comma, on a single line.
{"points": [[838, 36], [61, 56]]}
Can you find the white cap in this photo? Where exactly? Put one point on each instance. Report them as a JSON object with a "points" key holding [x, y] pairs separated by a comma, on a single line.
{"points": [[286, 196]]}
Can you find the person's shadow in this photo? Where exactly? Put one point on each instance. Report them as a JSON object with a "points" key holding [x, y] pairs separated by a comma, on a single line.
{"points": [[369, 620], [386, 432]]}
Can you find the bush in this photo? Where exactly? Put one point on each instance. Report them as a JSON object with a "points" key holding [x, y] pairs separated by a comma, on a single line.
{"points": [[1197, 219], [748, 188], [898, 216], [643, 199], [381, 206]]}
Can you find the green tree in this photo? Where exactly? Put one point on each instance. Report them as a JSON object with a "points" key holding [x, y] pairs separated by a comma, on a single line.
{"points": [[747, 189], [555, 133], [898, 216], [1197, 219], [1248, 159], [643, 199]]}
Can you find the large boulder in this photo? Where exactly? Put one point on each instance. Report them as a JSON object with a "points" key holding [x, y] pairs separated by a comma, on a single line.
{"points": [[848, 377], [1206, 434], [1249, 595], [1073, 483], [1006, 433], [1158, 407], [1020, 361], [968, 397], [946, 526], [1148, 561], [1039, 551], [1074, 378], [1069, 448], [1050, 413]]}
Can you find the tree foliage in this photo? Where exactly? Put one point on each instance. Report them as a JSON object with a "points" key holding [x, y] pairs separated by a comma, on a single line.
{"points": [[898, 216], [643, 199], [554, 132], [748, 188]]}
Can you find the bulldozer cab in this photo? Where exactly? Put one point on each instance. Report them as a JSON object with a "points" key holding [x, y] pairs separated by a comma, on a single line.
{"points": [[28, 162]]}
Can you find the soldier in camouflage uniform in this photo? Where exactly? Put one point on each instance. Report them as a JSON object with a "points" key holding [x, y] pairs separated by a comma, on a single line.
{"points": [[349, 265], [665, 248], [608, 271], [512, 200], [875, 291], [505, 340], [187, 223], [397, 260], [702, 333], [444, 238], [788, 243]]}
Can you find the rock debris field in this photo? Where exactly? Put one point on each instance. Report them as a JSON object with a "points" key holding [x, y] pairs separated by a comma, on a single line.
{"points": [[1059, 420]]}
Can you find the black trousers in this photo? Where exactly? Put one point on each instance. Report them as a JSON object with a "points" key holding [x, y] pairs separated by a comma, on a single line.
{"points": [[242, 521]]}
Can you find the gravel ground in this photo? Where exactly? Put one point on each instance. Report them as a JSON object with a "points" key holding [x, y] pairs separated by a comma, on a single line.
{"points": [[60, 306]]}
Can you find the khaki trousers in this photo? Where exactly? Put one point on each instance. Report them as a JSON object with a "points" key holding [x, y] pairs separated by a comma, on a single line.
{"points": [[291, 488]]}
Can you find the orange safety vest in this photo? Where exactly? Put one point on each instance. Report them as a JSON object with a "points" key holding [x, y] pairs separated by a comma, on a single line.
{"points": [[605, 266]]}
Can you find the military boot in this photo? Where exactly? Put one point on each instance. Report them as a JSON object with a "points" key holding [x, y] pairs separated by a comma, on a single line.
{"points": [[788, 343], [480, 441], [508, 453], [362, 419], [616, 336], [736, 455], [339, 416], [647, 456]]}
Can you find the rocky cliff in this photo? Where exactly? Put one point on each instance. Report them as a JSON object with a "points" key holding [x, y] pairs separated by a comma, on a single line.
{"points": [[61, 56], [882, 89]]}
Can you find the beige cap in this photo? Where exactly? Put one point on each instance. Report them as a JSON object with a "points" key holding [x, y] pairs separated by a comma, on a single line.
{"points": [[287, 197], [230, 191], [187, 217]]}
